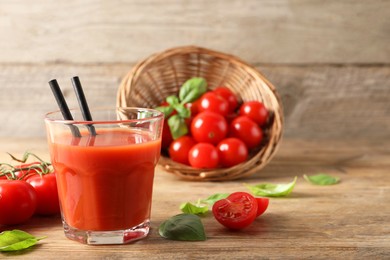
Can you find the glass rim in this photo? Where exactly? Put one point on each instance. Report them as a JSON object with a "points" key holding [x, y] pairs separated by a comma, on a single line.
{"points": [[158, 115]]}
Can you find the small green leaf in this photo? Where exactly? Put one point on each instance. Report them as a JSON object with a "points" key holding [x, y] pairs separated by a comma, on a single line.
{"points": [[272, 190], [197, 209], [182, 111], [178, 126], [172, 100], [17, 240], [167, 110], [322, 179], [215, 197], [192, 89], [184, 227]]}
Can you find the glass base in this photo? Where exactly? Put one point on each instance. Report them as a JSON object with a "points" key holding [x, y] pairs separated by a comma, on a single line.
{"points": [[107, 237]]}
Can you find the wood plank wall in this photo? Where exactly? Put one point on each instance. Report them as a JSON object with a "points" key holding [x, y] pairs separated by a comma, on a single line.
{"points": [[330, 60]]}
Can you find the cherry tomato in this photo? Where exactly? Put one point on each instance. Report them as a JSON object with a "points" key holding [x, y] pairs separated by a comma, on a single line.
{"points": [[232, 151], [256, 111], [237, 211], [203, 155], [47, 195], [179, 149], [214, 103], [193, 106], [209, 127], [229, 96], [247, 130], [166, 137], [262, 205], [18, 201]]}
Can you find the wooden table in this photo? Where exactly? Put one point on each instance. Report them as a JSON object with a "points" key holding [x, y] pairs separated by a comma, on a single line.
{"points": [[349, 220]]}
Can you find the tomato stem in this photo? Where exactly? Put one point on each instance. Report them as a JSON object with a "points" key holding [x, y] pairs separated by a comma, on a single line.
{"points": [[41, 167]]}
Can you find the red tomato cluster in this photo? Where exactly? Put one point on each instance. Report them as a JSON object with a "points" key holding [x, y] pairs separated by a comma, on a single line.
{"points": [[221, 131], [239, 210], [30, 193]]}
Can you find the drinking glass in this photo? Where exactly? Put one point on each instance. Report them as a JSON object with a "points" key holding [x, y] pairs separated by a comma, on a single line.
{"points": [[105, 171]]}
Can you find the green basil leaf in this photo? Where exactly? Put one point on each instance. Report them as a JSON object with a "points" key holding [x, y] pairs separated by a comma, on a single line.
{"points": [[178, 126], [172, 100], [182, 111], [15, 240], [184, 227], [215, 197], [272, 190], [167, 110], [322, 179], [197, 209], [192, 89]]}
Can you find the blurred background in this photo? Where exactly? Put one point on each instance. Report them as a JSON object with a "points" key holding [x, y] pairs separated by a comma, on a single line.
{"points": [[329, 60]]}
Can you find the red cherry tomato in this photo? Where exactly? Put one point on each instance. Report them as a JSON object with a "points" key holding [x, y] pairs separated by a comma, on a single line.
{"points": [[193, 106], [214, 103], [262, 205], [179, 149], [209, 127], [18, 201], [256, 111], [237, 211], [203, 155], [232, 151], [229, 96], [47, 195], [166, 137], [247, 130]]}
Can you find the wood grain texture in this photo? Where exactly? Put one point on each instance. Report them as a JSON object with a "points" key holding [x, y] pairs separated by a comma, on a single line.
{"points": [[320, 102], [280, 31], [344, 221]]}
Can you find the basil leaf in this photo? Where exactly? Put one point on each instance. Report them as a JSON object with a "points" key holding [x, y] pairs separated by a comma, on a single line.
{"points": [[184, 227], [322, 179], [178, 126], [192, 89], [167, 110], [197, 209], [173, 100], [182, 111], [215, 197], [272, 190], [17, 240]]}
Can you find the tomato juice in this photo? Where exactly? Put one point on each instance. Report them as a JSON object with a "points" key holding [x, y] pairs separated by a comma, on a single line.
{"points": [[105, 181]]}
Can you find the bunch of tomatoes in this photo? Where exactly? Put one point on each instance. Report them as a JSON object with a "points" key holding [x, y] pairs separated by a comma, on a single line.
{"points": [[25, 190], [222, 132]]}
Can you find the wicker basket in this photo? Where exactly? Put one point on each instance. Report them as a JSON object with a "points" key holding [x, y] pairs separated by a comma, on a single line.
{"points": [[162, 74]]}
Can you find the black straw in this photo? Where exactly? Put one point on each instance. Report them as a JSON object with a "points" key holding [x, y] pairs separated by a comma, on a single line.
{"points": [[83, 103], [63, 106]]}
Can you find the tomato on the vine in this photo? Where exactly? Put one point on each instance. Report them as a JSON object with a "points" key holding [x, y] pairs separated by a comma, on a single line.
{"points": [[203, 155], [237, 211], [18, 201], [209, 127], [256, 111], [262, 205], [210, 101], [47, 195], [232, 151], [229, 96], [179, 149], [246, 130], [26, 170]]}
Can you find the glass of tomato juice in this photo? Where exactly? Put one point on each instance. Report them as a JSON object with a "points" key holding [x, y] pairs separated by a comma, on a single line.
{"points": [[105, 171]]}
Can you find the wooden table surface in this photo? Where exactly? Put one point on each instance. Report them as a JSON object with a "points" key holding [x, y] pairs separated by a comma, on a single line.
{"points": [[349, 220]]}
